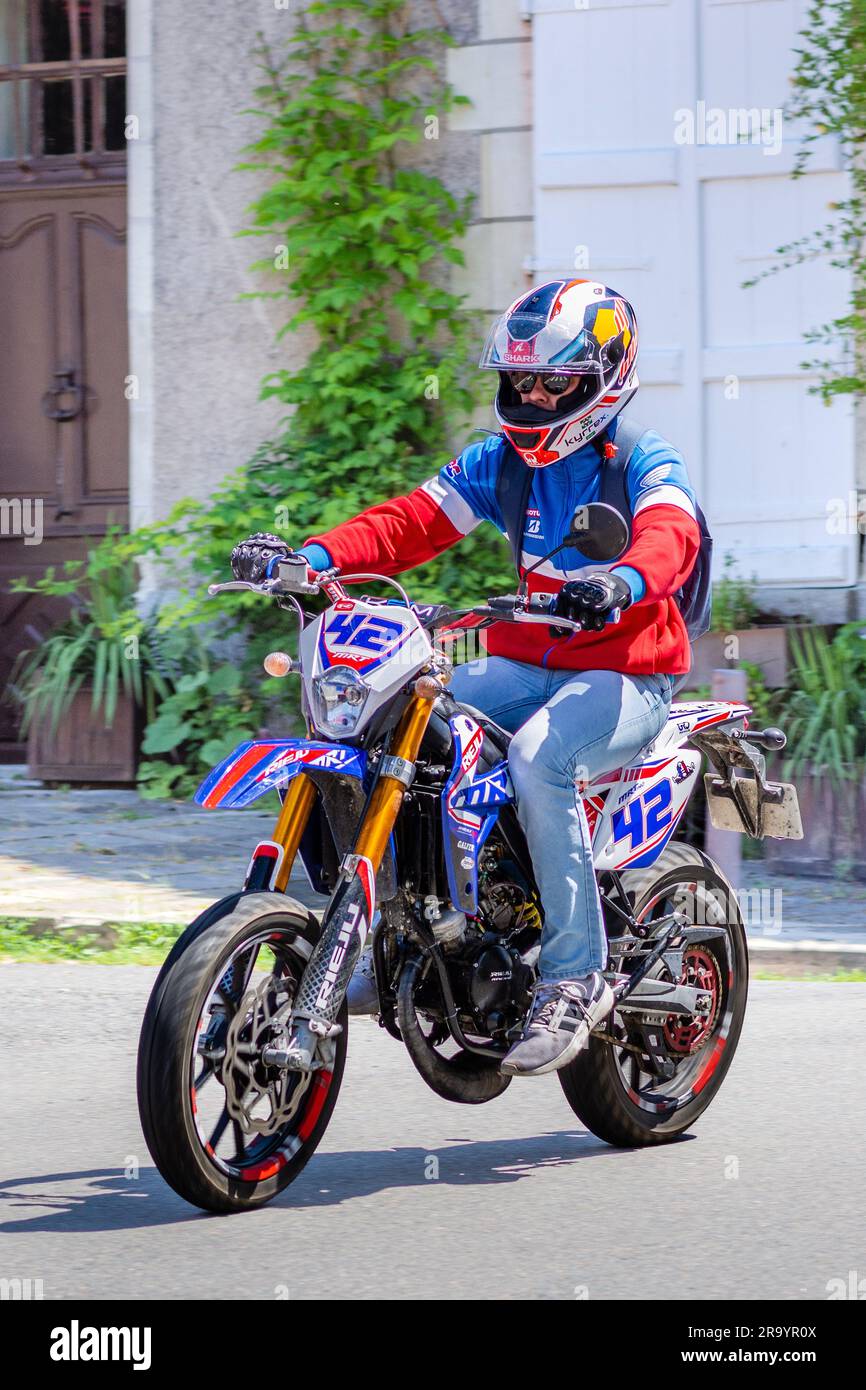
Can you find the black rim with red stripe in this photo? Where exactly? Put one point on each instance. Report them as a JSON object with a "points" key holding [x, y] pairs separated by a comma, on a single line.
{"points": [[696, 1048], [251, 1120]]}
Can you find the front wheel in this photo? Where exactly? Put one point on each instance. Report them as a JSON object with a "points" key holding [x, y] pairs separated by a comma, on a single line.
{"points": [[226, 1131], [611, 1086]]}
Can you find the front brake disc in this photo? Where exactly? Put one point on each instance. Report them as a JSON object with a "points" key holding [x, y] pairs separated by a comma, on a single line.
{"points": [[261, 1098]]}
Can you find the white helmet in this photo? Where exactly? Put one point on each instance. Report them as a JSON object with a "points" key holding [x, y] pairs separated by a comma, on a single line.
{"points": [[563, 331]]}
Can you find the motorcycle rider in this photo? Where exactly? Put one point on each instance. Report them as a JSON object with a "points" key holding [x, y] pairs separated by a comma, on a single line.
{"points": [[578, 704]]}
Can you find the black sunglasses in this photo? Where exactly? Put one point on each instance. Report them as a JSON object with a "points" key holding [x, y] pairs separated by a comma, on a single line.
{"points": [[555, 383]]}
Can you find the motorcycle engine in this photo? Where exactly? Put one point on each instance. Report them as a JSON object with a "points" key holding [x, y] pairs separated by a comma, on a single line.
{"points": [[491, 971], [491, 984]]}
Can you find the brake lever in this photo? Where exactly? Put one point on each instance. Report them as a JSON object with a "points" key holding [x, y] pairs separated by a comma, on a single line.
{"points": [[232, 584]]}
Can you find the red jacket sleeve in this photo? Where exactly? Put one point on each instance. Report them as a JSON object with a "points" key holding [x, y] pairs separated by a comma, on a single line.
{"points": [[665, 542], [392, 537]]}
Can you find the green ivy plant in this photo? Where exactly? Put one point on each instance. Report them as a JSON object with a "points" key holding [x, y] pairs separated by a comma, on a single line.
{"points": [[360, 240], [830, 97], [357, 237]]}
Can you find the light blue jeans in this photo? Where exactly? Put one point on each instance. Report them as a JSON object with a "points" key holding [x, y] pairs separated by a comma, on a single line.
{"points": [[567, 725]]}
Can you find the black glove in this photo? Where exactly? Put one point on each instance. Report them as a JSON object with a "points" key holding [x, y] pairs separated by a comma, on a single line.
{"points": [[251, 558], [589, 600]]}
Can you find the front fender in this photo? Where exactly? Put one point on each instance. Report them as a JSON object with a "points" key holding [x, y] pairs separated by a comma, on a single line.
{"points": [[259, 767]]}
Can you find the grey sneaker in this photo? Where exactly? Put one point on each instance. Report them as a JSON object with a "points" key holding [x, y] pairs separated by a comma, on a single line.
{"points": [[563, 1016], [362, 996]]}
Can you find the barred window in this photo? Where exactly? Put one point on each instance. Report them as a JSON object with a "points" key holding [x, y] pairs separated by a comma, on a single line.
{"points": [[62, 89]]}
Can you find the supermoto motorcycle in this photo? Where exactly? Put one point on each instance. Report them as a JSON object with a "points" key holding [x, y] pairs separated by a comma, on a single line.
{"points": [[400, 807]]}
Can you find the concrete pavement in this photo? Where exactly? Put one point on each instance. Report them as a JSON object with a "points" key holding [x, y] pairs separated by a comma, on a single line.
{"points": [[410, 1197]]}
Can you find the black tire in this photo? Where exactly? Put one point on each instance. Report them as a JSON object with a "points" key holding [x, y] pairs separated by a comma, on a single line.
{"points": [[167, 1099], [595, 1083]]}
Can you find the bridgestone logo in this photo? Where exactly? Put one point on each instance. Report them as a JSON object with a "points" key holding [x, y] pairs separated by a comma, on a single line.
{"points": [[355, 920]]}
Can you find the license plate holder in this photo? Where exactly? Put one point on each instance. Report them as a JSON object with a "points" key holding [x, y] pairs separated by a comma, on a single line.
{"points": [[779, 817]]}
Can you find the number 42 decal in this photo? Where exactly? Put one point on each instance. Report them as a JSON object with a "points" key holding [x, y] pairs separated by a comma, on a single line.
{"points": [[644, 816]]}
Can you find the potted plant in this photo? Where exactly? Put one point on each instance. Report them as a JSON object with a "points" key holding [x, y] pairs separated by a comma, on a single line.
{"points": [[824, 716], [737, 637], [86, 687]]}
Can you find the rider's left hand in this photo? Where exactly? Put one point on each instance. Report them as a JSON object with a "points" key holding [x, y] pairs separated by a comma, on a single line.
{"points": [[591, 599]]}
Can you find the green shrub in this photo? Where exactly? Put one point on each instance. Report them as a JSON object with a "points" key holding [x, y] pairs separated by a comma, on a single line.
{"points": [[824, 710], [205, 716], [734, 605]]}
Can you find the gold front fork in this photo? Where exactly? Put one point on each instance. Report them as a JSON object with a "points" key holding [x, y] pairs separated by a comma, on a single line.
{"points": [[291, 824], [384, 805], [388, 795]]}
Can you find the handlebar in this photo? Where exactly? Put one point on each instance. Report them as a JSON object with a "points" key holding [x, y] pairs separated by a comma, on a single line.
{"points": [[504, 607], [538, 608]]}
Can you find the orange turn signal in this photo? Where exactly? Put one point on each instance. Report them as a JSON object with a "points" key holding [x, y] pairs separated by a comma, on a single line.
{"points": [[277, 664], [428, 687]]}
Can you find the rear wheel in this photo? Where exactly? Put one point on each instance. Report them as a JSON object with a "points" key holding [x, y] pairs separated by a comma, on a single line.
{"points": [[611, 1085], [227, 1132]]}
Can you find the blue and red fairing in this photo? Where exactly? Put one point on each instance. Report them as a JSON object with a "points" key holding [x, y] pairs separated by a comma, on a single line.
{"points": [[259, 767]]}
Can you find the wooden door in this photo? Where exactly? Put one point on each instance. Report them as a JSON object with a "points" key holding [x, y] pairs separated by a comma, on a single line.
{"points": [[64, 361]]}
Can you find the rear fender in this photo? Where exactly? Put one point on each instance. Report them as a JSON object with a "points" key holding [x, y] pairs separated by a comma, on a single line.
{"points": [[259, 767]]}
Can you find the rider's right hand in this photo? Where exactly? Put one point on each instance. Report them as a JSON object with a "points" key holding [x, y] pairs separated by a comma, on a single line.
{"points": [[256, 558]]}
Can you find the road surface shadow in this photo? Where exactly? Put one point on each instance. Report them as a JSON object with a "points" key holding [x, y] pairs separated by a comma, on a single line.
{"points": [[112, 1202]]}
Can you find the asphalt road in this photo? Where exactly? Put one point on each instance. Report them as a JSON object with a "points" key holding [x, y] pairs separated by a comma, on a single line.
{"points": [[411, 1197]]}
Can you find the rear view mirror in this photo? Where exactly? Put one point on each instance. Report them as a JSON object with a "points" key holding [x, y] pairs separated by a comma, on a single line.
{"points": [[599, 532]]}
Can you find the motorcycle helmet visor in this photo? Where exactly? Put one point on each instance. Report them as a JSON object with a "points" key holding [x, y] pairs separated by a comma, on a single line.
{"points": [[512, 345]]}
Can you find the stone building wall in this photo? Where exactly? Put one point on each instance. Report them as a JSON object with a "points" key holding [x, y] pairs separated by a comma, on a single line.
{"points": [[198, 350]]}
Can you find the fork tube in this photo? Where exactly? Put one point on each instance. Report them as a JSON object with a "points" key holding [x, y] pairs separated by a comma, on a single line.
{"points": [[292, 822], [348, 915], [388, 793]]}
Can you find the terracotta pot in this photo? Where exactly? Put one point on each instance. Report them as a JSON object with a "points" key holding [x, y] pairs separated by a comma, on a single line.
{"points": [[764, 647], [82, 748]]}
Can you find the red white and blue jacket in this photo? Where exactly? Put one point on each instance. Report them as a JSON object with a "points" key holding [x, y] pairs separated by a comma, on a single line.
{"points": [[651, 637]]}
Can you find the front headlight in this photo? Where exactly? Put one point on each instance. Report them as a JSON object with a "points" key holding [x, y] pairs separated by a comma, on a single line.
{"points": [[338, 699]]}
